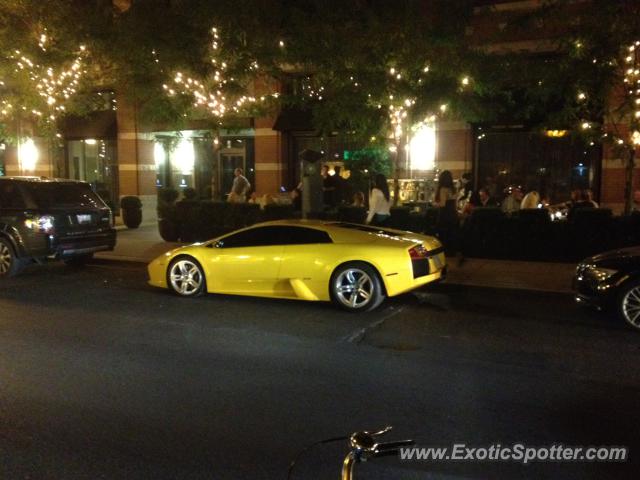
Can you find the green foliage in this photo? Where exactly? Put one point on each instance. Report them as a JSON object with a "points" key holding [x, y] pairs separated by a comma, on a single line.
{"points": [[374, 160], [364, 164]]}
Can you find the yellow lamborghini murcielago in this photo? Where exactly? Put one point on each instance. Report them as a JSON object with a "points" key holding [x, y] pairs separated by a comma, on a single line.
{"points": [[355, 266]]}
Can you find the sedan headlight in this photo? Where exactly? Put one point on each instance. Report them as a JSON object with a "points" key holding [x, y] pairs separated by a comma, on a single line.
{"points": [[603, 273]]}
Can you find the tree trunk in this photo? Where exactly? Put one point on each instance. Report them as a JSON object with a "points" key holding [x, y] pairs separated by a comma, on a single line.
{"points": [[628, 180], [396, 176]]}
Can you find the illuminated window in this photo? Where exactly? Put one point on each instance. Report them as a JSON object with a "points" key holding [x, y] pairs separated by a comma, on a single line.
{"points": [[422, 148], [184, 157], [28, 155]]}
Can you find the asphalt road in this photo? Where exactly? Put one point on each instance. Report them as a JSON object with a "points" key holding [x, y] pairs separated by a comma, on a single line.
{"points": [[104, 377]]}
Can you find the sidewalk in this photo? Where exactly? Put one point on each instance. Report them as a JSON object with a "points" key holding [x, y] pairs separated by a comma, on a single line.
{"points": [[144, 244]]}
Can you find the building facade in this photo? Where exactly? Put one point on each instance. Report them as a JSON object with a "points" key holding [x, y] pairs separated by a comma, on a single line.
{"points": [[120, 156]]}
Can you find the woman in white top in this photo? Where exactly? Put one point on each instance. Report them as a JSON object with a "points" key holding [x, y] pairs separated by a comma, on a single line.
{"points": [[379, 201]]}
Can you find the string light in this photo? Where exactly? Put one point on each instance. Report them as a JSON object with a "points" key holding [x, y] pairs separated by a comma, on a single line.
{"points": [[210, 95], [54, 87]]}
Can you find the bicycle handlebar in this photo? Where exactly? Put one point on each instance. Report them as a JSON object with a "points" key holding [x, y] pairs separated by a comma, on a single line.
{"points": [[364, 446]]}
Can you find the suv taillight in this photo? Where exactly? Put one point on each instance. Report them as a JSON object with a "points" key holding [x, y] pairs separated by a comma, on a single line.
{"points": [[108, 218], [418, 252], [42, 223]]}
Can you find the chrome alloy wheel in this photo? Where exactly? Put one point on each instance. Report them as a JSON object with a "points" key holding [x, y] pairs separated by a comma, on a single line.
{"points": [[631, 306], [354, 288], [186, 277], [6, 259]]}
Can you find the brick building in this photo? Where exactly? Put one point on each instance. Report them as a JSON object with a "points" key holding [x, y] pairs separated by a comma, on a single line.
{"points": [[121, 156]]}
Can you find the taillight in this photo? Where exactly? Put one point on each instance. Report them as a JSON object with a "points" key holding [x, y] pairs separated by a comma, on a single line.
{"points": [[108, 218], [418, 252]]}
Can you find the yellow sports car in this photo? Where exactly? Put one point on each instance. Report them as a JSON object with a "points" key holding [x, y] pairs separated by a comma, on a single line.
{"points": [[355, 266]]}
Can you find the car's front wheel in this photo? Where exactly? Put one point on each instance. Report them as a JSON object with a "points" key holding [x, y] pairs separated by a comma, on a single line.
{"points": [[10, 264], [185, 277], [356, 287], [629, 304]]}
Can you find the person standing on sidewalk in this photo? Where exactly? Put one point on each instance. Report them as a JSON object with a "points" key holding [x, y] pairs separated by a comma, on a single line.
{"points": [[379, 202], [240, 187]]}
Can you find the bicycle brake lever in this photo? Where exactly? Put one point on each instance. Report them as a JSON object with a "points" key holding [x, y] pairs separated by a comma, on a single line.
{"points": [[381, 432], [380, 447], [390, 448]]}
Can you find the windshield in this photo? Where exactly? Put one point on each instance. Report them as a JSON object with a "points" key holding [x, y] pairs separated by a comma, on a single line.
{"points": [[48, 195]]}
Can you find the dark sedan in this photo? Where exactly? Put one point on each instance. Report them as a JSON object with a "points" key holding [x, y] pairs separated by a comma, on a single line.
{"points": [[611, 280]]}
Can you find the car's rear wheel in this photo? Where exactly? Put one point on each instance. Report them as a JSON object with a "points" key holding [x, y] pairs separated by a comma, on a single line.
{"points": [[629, 304], [356, 287], [10, 264], [185, 277]]}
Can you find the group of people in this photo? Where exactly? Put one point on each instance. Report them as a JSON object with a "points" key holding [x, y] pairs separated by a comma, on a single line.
{"points": [[465, 200], [454, 203], [336, 190]]}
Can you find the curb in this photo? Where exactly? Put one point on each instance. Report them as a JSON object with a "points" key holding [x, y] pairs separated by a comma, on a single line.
{"points": [[458, 282]]}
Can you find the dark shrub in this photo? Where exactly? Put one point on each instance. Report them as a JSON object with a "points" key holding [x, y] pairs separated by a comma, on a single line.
{"points": [[168, 230], [167, 195], [277, 212], [212, 221], [352, 214], [430, 219], [483, 233], [168, 221], [627, 230], [189, 193], [399, 218], [529, 235], [190, 219], [416, 222], [590, 232]]}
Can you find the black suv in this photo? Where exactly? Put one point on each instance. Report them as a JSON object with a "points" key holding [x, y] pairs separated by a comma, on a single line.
{"points": [[42, 218]]}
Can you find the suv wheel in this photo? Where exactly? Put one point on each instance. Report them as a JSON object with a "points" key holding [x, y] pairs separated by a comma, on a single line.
{"points": [[10, 264]]}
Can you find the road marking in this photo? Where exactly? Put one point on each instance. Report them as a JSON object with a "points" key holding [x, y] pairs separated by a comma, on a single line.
{"points": [[358, 335]]}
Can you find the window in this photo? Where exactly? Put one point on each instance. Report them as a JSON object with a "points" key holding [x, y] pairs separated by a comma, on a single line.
{"points": [[422, 148], [275, 235], [52, 194], [10, 195], [94, 161], [303, 236]]}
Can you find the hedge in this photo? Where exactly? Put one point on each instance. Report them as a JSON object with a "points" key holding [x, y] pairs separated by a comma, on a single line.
{"points": [[486, 233], [193, 220]]}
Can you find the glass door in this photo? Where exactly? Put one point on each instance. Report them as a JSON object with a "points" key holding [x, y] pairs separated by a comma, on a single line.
{"points": [[229, 161]]}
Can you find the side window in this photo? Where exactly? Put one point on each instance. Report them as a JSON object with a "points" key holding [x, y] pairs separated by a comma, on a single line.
{"points": [[302, 236], [254, 237], [10, 195], [274, 235]]}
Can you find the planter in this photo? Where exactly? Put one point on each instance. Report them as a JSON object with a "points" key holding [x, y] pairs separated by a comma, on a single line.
{"points": [[132, 218], [131, 211], [168, 230]]}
